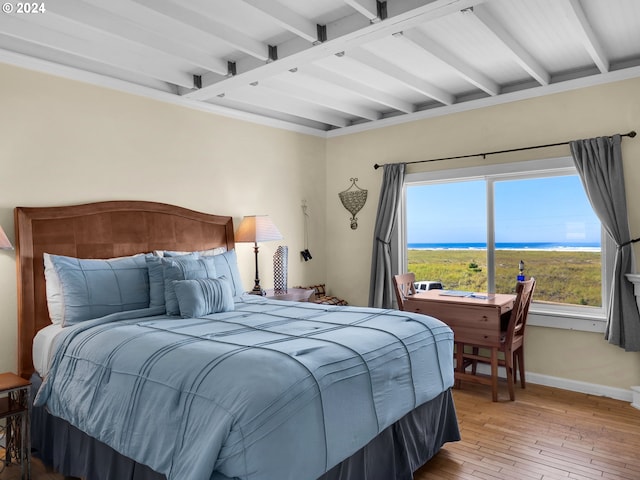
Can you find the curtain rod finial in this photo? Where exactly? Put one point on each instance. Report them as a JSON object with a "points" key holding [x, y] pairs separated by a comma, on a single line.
{"points": [[632, 133], [376, 166]]}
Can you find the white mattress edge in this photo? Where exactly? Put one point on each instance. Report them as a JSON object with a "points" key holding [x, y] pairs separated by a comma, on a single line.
{"points": [[43, 347]]}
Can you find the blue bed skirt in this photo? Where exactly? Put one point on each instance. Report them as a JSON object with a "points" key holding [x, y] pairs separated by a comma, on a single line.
{"points": [[395, 453]]}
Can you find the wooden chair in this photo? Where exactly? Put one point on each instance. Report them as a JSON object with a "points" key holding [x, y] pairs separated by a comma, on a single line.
{"points": [[511, 346], [404, 286]]}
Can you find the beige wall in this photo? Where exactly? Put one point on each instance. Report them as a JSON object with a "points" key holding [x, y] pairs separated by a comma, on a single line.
{"points": [[65, 142], [602, 110]]}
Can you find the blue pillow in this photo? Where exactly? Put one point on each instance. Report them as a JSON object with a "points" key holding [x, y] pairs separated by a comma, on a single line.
{"points": [[156, 278], [91, 288], [179, 268], [227, 265], [203, 296]]}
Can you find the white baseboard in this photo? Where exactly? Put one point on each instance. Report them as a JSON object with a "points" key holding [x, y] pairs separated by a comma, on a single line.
{"points": [[636, 397], [574, 385]]}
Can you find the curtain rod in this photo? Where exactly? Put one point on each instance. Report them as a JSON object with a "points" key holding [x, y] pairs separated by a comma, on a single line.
{"points": [[631, 134]]}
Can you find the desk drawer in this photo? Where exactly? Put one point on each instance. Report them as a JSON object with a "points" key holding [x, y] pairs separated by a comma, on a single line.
{"points": [[452, 314], [477, 336], [469, 324]]}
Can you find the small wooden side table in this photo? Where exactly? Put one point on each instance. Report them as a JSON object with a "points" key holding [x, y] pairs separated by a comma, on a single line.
{"points": [[14, 408], [292, 294]]}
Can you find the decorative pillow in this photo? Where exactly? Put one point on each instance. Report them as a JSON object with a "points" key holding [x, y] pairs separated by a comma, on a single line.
{"points": [[203, 253], [227, 265], [203, 296], [320, 289], [322, 297], [92, 288], [180, 268], [329, 300], [156, 278]]}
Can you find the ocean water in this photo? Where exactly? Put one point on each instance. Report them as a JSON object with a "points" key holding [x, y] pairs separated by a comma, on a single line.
{"points": [[556, 246]]}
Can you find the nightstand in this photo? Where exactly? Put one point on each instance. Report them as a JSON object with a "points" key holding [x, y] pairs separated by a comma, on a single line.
{"points": [[14, 409], [293, 295]]}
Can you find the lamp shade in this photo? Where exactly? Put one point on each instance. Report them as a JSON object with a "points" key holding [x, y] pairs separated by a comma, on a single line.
{"points": [[5, 244], [257, 228]]}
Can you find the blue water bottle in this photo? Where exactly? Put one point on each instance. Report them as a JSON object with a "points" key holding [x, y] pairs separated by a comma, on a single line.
{"points": [[521, 269]]}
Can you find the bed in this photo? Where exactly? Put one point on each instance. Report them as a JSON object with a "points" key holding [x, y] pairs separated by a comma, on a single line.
{"points": [[247, 388]]}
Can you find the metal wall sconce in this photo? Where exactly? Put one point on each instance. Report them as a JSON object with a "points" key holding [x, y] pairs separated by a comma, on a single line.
{"points": [[353, 199]]}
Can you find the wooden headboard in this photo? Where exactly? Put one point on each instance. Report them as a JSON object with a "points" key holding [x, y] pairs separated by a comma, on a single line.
{"points": [[99, 230]]}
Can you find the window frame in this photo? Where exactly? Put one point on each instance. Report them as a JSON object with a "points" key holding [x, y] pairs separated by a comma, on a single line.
{"points": [[578, 317]]}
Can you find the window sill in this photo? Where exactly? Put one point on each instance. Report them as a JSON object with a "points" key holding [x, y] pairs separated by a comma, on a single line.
{"points": [[586, 322]]}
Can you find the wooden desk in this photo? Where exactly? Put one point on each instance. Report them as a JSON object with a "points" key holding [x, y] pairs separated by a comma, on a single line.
{"points": [[474, 321]]}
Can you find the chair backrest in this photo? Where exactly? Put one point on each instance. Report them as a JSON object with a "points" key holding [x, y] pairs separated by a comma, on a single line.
{"points": [[404, 287], [518, 319]]}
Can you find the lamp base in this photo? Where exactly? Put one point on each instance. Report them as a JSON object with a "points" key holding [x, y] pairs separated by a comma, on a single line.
{"points": [[257, 291]]}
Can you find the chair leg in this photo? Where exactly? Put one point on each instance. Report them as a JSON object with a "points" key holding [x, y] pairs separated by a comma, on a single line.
{"points": [[459, 362], [494, 374], [511, 373], [474, 364], [520, 353]]}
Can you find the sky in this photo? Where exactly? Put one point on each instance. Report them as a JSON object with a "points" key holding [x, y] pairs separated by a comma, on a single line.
{"points": [[549, 209]]}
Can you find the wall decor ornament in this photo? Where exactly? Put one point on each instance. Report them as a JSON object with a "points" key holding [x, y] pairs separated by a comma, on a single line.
{"points": [[280, 261], [353, 199]]}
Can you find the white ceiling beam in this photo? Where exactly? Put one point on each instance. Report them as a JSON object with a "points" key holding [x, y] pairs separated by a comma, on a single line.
{"points": [[286, 18], [397, 73], [49, 67], [368, 8], [589, 39], [291, 89], [158, 23], [272, 99], [37, 31], [522, 56], [225, 33], [342, 34], [463, 69], [122, 27], [291, 94], [359, 88]]}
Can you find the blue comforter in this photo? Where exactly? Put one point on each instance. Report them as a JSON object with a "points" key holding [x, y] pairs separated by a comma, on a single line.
{"points": [[272, 390]]}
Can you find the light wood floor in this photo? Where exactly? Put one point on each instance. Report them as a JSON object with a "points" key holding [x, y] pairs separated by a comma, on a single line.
{"points": [[546, 434]]}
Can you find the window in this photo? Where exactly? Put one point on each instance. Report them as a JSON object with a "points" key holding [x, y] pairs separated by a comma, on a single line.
{"points": [[470, 228]]}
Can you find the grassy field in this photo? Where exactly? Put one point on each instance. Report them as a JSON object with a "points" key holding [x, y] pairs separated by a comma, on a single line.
{"points": [[561, 277]]}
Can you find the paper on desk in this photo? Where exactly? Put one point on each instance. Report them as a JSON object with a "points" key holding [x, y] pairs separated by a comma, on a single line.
{"points": [[462, 293]]}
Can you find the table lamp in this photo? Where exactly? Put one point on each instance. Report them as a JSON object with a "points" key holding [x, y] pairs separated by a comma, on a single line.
{"points": [[257, 228]]}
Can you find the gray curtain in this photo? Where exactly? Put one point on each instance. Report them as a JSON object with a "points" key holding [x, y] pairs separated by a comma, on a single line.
{"points": [[599, 162], [381, 294]]}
